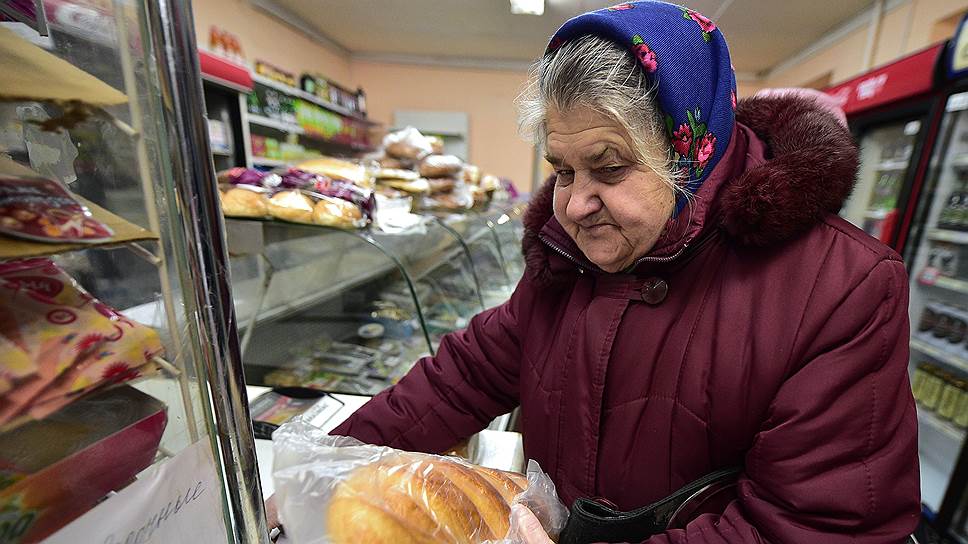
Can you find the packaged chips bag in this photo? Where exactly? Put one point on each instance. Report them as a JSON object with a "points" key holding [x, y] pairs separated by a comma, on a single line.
{"points": [[42, 210], [57, 342]]}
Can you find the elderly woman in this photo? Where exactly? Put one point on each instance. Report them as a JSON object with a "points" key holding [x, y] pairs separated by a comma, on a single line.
{"points": [[691, 302]]}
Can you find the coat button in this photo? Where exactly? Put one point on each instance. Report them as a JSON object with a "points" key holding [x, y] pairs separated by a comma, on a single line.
{"points": [[654, 291]]}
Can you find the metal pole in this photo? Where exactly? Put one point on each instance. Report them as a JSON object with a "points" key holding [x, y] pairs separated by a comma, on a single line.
{"points": [[171, 25]]}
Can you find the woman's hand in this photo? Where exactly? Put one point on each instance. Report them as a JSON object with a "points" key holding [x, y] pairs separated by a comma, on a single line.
{"points": [[526, 527]]}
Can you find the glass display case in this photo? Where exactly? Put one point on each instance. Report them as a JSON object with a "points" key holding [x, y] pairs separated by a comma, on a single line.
{"points": [[939, 309], [350, 311], [886, 165], [120, 372], [345, 310]]}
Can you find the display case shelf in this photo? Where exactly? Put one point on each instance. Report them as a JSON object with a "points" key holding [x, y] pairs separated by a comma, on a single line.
{"points": [[263, 161], [940, 354], [945, 428], [876, 214], [947, 283], [947, 235], [895, 164]]}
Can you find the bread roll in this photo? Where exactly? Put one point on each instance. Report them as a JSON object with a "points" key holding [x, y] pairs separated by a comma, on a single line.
{"points": [[291, 206], [441, 185], [503, 482], [413, 499], [440, 166], [472, 174], [415, 187], [336, 168], [396, 173], [436, 144], [240, 202], [335, 212]]}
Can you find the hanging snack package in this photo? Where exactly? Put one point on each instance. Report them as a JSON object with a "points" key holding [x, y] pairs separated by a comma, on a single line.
{"points": [[337, 490], [57, 342], [42, 210]]}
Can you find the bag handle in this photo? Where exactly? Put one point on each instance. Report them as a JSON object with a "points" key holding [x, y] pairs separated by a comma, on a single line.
{"points": [[592, 521]]}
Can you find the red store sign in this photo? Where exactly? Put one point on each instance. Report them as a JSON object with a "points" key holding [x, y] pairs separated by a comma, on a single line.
{"points": [[901, 79]]}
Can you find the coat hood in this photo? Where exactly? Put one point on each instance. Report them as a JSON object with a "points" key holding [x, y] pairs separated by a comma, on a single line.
{"points": [[791, 162]]}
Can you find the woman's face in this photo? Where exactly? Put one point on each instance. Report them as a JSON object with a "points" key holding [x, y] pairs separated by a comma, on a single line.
{"points": [[613, 207]]}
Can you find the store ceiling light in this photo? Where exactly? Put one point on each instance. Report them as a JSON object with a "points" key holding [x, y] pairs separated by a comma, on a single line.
{"points": [[527, 7]]}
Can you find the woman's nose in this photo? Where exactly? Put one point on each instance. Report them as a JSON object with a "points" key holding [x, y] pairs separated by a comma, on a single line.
{"points": [[584, 201]]}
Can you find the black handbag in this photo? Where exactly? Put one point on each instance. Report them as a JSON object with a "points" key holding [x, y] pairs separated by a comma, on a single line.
{"points": [[593, 521]]}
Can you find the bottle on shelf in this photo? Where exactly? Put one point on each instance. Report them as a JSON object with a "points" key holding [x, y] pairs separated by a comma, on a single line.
{"points": [[950, 397]]}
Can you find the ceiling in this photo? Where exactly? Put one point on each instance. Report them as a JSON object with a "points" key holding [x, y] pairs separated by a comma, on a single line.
{"points": [[761, 33]]}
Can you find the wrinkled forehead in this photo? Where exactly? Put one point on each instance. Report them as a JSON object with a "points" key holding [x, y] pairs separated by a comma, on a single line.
{"points": [[581, 135]]}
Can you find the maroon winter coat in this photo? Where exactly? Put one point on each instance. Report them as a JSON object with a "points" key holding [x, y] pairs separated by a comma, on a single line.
{"points": [[762, 330]]}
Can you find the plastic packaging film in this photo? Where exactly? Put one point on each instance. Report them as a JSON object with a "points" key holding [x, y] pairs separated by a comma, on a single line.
{"points": [[337, 490]]}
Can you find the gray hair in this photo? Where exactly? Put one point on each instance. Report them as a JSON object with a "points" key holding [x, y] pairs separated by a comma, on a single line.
{"points": [[596, 73]]}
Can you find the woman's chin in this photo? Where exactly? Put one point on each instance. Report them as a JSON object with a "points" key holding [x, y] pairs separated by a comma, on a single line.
{"points": [[608, 263]]}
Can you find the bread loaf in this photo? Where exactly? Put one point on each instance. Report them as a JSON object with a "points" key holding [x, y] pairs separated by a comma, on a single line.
{"points": [[411, 499], [335, 212], [239, 202], [291, 206]]}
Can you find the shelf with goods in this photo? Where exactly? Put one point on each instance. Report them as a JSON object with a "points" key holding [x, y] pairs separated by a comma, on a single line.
{"points": [[939, 294], [306, 120], [947, 235], [100, 404], [945, 354]]}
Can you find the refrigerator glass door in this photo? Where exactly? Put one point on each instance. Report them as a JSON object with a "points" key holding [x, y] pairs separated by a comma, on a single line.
{"points": [[939, 308], [884, 161]]}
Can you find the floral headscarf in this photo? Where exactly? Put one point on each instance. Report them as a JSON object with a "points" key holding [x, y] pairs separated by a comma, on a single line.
{"points": [[685, 56]]}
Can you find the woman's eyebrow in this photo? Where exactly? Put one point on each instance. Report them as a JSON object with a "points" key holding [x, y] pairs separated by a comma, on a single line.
{"points": [[591, 158]]}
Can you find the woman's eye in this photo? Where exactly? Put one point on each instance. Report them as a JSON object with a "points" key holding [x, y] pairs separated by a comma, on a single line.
{"points": [[610, 172], [565, 176]]}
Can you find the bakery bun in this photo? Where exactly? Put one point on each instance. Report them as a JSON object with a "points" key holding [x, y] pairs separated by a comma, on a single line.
{"points": [[240, 202], [472, 174], [291, 206], [440, 166], [436, 144], [441, 185], [335, 212], [415, 187], [411, 499], [336, 168], [395, 173]]}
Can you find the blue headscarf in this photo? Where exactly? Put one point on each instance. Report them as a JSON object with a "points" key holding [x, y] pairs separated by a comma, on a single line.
{"points": [[685, 56]]}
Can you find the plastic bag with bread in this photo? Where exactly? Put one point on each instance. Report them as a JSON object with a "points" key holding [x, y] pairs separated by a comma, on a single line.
{"points": [[336, 490]]}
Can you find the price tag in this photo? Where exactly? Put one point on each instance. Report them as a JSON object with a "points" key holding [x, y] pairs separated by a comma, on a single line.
{"points": [[929, 276], [179, 500]]}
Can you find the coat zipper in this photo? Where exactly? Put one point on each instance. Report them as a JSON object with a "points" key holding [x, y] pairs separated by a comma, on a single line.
{"points": [[561, 252], [701, 242]]}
